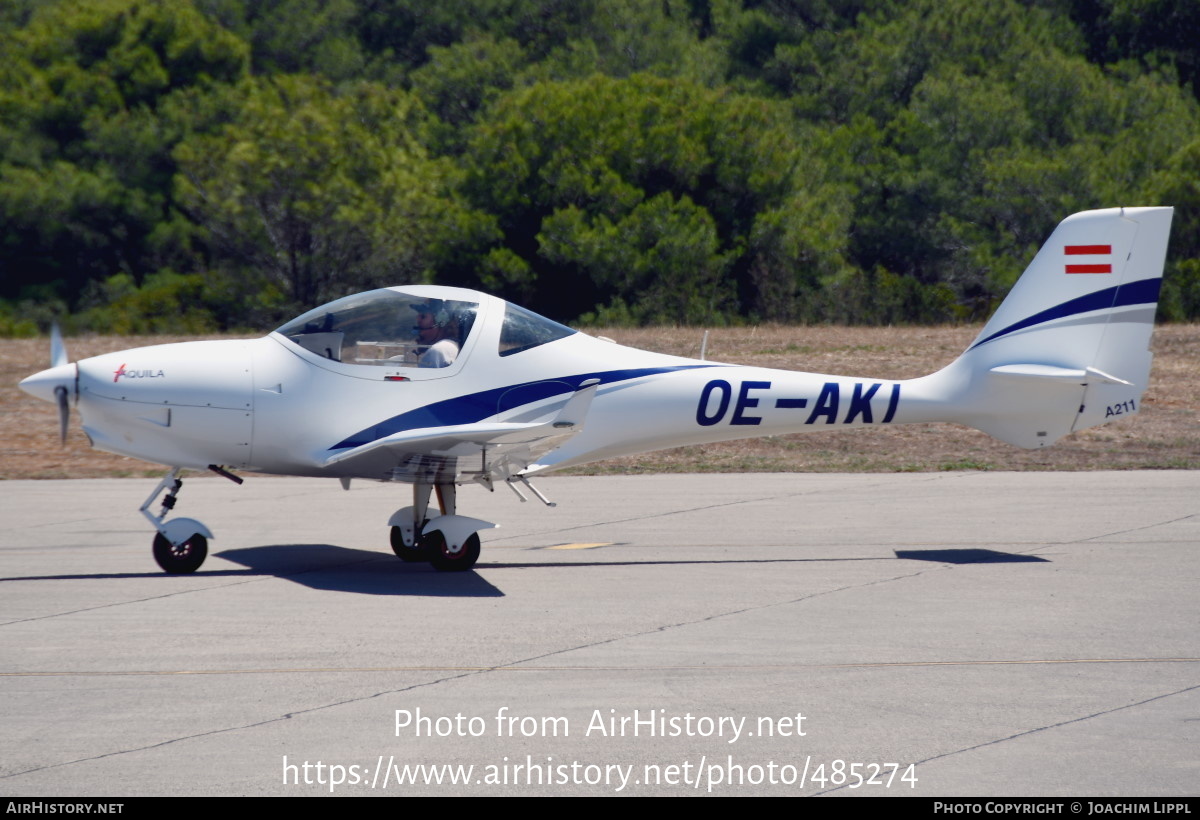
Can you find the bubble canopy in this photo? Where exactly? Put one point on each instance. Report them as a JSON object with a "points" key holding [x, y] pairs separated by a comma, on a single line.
{"points": [[384, 327], [380, 327]]}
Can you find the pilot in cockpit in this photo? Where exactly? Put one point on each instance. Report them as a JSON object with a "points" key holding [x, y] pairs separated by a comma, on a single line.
{"points": [[437, 334]]}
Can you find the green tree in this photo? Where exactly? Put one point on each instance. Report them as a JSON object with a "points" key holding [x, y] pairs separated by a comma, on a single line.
{"points": [[1155, 32], [323, 193], [1179, 185], [459, 80], [580, 162], [85, 155], [659, 263], [990, 126], [295, 36]]}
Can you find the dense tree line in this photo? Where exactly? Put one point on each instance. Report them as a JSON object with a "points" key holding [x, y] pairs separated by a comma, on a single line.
{"points": [[205, 164]]}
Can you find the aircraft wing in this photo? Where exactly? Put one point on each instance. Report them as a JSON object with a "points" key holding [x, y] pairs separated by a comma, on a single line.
{"points": [[491, 450]]}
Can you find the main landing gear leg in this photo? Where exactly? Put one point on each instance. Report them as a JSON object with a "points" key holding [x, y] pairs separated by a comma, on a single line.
{"points": [[181, 544], [448, 550], [450, 542]]}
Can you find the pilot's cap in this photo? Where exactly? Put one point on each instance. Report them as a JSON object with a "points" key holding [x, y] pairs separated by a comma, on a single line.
{"points": [[435, 308]]}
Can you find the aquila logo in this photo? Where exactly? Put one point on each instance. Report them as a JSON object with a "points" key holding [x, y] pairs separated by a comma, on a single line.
{"points": [[135, 374]]}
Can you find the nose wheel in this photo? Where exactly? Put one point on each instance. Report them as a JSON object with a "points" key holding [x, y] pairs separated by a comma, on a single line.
{"points": [[181, 544], [180, 559]]}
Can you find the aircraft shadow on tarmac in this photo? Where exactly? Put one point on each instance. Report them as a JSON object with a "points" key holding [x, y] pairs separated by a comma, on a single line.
{"points": [[969, 556], [674, 562], [318, 566], [366, 572], [944, 556]]}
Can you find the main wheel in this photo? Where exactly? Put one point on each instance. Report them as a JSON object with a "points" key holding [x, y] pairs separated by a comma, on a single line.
{"points": [[407, 553], [185, 558], [446, 561]]}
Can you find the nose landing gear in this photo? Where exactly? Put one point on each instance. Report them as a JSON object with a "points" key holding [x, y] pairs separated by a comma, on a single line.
{"points": [[181, 544]]}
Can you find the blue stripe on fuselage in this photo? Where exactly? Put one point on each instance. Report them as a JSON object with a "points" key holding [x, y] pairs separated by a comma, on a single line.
{"points": [[475, 407], [1143, 291]]}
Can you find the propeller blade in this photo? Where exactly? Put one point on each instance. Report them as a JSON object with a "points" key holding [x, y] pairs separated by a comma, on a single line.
{"points": [[58, 350], [64, 412]]}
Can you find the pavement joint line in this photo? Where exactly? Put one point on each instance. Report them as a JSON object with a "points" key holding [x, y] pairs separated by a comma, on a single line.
{"points": [[593, 667], [226, 729], [1135, 529], [1038, 729], [718, 615], [461, 674], [253, 579]]}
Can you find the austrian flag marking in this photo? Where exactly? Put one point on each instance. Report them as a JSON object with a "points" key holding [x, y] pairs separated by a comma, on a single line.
{"points": [[1089, 250]]}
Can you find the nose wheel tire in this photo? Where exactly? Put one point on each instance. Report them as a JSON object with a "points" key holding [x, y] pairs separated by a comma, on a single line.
{"points": [[407, 553], [446, 561], [182, 559]]}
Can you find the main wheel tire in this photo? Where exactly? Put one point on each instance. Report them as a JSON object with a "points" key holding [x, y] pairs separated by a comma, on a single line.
{"points": [[407, 553], [181, 560], [446, 561]]}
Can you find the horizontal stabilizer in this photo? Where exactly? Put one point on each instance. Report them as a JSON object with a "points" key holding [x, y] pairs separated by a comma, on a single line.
{"points": [[1041, 371], [1059, 374]]}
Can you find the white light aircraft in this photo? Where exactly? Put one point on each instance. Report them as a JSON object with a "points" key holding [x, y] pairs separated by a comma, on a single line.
{"points": [[439, 387]]}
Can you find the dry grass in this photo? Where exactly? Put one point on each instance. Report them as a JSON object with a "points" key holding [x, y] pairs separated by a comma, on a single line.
{"points": [[1164, 435]]}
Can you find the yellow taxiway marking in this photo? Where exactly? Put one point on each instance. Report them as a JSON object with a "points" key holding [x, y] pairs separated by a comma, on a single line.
{"points": [[580, 546]]}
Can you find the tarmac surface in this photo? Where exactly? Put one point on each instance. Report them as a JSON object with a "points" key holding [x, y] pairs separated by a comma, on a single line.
{"points": [[934, 634]]}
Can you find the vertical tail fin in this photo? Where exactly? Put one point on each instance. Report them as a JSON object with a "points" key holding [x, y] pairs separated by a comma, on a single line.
{"points": [[1068, 347]]}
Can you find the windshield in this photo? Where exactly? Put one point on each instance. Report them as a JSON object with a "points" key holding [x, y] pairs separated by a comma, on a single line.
{"points": [[385, 327], [523, 330]]}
